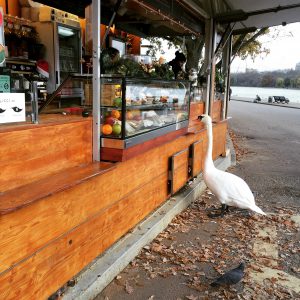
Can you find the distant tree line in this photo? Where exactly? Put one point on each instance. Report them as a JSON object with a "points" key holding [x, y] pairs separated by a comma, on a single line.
{"points": [[279, 79]]}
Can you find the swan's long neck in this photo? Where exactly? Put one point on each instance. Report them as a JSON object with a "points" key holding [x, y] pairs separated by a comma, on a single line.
{"points": [[208, 162]]}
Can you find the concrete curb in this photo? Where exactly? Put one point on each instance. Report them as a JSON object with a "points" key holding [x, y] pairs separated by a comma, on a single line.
{"points": [[266, 103], [231, 148], [93, 279]]}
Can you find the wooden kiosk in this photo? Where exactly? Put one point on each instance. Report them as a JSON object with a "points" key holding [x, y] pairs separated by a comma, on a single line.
{"points": [[60, 207]]}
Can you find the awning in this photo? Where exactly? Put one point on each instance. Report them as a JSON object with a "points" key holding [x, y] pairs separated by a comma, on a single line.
{"points": [[143, 18], [75, 7], [261, 13], [186, 17]]}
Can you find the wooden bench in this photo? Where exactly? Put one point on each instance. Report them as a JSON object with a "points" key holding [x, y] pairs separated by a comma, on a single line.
{"points": [[281, 99]]}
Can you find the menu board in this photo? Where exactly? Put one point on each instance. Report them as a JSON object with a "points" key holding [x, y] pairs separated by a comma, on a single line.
{"points": [[12, 107]]}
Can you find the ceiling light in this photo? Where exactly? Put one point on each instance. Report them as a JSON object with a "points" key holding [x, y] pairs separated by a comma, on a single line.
{"points": [[64, 31]]}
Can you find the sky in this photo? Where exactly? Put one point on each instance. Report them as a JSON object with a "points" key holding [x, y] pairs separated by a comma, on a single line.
{"points": [[284, 51]]}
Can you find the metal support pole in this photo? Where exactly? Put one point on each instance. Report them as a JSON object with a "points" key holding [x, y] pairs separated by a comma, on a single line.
{"points": [[96, 8], [212, 67], [226, 71], [210, 46], [227, 88], [34, 103], [6, 7], [206, 67]]}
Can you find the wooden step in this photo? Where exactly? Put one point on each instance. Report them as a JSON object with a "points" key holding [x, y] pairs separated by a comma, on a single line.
{"points": [[22, 196]]}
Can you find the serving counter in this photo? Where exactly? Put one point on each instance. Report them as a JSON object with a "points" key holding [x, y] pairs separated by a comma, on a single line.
{"points": [[61, 209]]}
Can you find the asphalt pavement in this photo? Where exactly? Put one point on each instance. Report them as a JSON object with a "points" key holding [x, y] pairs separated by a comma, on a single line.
{"points": [[194, 249]]}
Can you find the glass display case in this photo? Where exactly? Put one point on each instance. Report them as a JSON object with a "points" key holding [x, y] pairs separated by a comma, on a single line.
{"points": [[136, 110]]}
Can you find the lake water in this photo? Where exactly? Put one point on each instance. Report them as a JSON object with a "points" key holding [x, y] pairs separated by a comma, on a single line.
{"points": [[264, 93]]}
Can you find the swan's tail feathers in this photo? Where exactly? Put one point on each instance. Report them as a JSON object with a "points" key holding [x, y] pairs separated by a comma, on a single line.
{"points": [[258, 210]]}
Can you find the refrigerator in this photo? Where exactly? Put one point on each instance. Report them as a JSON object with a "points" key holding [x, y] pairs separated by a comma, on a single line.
{"points": [[63, 50]]}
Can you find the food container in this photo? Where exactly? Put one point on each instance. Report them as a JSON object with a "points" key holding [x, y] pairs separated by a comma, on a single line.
{"points": [[74, 110]]}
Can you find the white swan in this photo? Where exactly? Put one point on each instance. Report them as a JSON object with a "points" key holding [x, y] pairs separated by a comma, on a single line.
{"points": [[230, 189]]}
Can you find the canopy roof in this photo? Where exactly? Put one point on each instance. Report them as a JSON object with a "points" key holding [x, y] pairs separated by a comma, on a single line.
{"points": [[186, 17], [264, 13]]}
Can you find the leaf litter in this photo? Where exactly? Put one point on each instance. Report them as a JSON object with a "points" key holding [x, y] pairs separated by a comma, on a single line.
{"points": [[181, 251], [200, 260]]}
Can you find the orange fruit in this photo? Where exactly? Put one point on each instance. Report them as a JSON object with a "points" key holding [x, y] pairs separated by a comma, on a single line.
{"points": [[129, 115], [107, 129], [115, 114]]}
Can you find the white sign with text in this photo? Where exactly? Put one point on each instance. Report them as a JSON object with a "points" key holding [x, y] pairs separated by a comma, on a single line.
{"points": [[12, 107]]}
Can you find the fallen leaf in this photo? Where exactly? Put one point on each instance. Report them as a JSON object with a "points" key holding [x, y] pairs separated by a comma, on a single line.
{"points": [[156, 247], [128, 288], [257, 269], [191, 297], [273, 279]]}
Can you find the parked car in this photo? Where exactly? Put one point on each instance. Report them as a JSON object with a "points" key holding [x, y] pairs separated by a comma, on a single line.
{"points": [[278, 99]]}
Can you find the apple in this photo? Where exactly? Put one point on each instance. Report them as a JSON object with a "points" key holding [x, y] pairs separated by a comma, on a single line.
{"points": [[117, 102], [106, 114], [116, 129], [137, 118], [110, 121]]}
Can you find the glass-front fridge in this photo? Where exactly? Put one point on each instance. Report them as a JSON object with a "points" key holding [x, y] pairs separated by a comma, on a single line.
{"points": [[62, 50]]}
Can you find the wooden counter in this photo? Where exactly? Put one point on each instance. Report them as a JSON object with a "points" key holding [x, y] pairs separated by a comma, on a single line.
{"points": [[30, 152], [68, 210]]}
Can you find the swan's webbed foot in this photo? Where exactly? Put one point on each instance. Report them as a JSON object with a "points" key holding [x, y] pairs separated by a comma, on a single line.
{"points": [[224, 210], [215, 215], [245, 213]]}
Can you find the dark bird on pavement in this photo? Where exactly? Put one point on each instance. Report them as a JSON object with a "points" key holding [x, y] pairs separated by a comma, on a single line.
{"points": [[231, 277], [2, 110], [16, 109]]}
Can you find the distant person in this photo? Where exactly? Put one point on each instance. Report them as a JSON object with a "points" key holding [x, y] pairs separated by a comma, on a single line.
{"points": [[177, 64], [109, 60], [129, 48], [258, 98], [230, 92]]}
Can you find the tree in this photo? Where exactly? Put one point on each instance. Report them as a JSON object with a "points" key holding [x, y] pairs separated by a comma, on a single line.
{"points": [[268, 81], [244, 45], [280, 82], [287, 82], [248, 45]]}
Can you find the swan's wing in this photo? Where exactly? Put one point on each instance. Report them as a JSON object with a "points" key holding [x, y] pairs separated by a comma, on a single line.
{"points": [[231, 189]]}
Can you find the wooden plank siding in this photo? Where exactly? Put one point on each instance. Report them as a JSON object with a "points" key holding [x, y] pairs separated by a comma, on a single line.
{"points": [[48, 269], [179, 170], [217, 110], [197, 157], [45, 244], [196, 110], [35, 152]]}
